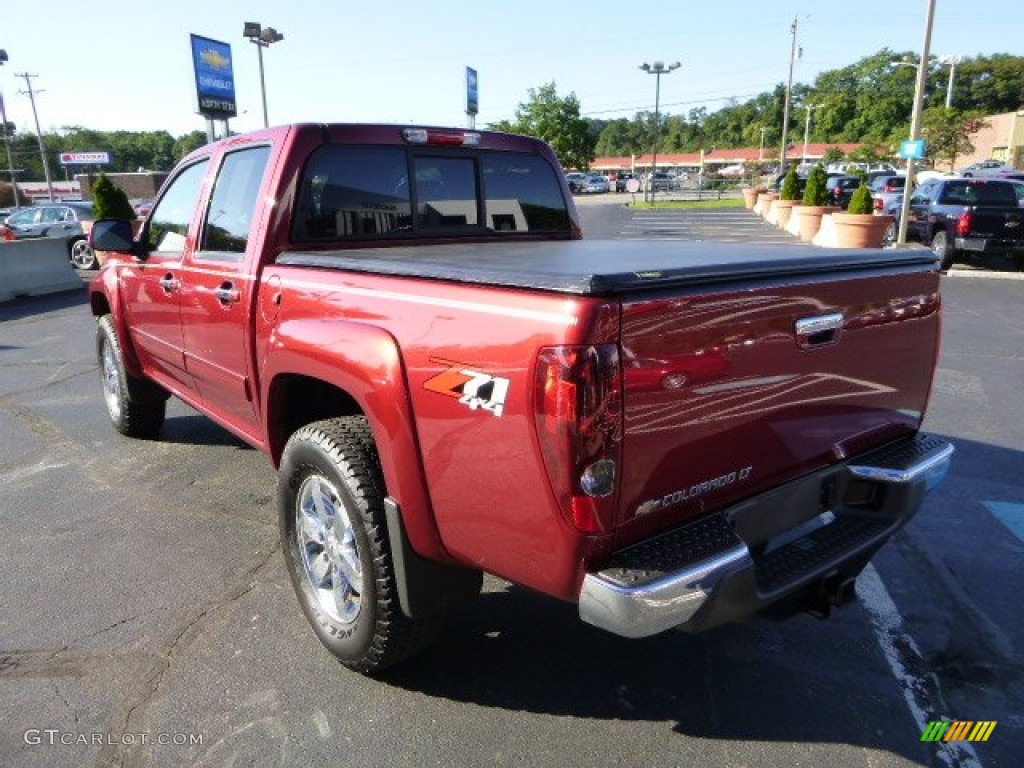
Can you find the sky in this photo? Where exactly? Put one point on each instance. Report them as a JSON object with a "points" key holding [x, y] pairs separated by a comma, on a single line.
{"points": [[112, 65]]}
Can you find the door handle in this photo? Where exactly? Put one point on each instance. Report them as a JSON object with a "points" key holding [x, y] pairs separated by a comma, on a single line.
{"points": [[819, 331], [227, 293], [169, 283]]}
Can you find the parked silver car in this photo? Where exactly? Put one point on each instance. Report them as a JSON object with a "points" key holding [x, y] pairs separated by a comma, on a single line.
{"points": [[886, 189], [596, 183], [63, 220], [992, 169]]}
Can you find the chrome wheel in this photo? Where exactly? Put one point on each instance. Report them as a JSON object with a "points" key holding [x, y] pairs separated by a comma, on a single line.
{"points": [[82, 255], [111, 382], [329, 549], [889, 237]]}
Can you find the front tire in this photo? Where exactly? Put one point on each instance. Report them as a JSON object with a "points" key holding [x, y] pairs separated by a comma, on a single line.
{"points": [[943, 250], [335, 542], [136, 407]]}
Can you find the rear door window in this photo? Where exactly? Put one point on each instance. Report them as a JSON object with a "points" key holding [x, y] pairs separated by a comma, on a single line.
{"points": [[229, 218]]}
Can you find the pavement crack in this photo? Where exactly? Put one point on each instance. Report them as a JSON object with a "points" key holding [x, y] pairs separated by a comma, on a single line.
{"points": [[154, 678]]}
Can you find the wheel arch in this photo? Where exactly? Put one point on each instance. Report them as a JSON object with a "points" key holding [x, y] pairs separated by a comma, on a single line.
{"points": [[359, 373], [104, 296]]}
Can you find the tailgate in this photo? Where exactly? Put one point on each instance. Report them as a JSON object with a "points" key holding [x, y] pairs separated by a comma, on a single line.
{"points": [[729, 392]]}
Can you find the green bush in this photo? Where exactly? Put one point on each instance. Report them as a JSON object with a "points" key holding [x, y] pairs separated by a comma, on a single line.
{"points": [[109, 201], [861, 201], [816, 192], [790, 186]]}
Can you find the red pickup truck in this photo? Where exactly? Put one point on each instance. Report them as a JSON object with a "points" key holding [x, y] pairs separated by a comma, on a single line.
{"points": [[452, 381]]}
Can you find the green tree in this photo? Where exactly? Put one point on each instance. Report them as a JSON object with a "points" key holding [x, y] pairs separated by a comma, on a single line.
{"points": [[187, 143], [833, 155], [557, 121], [110, 201], [948, 133]]}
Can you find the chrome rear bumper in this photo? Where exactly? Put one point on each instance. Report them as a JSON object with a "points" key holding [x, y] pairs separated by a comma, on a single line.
{"points": [[726, 567]]}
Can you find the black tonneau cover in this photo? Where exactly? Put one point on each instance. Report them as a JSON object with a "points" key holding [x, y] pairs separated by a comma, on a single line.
{"points": [[606, 267]]}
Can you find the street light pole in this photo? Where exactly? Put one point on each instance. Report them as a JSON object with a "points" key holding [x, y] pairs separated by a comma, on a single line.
{"points": [[915, 121], [789, 92], [7, 139], [807, 130], [657, 69], [952, 61], [261, 37]]}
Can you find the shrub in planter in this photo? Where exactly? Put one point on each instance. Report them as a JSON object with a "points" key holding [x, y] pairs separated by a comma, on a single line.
{"points": [[815, 197], [790, 186], [109, 201], [816, 192], [861, 201], [859, 227]]}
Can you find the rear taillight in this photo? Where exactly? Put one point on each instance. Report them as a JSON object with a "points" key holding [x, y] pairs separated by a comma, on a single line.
{"points": [[964, 224], [878, 204], [578, 406]]}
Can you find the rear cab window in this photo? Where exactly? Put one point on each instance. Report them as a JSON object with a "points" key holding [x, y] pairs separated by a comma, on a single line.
{"points": [[381, 192]]}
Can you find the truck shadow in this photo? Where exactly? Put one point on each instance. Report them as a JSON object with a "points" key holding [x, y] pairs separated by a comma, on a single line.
{"points": [[759, 682], [196, 429]]}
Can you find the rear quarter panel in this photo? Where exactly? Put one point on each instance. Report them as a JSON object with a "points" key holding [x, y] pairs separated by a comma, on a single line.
{"points": [[484, 483]]}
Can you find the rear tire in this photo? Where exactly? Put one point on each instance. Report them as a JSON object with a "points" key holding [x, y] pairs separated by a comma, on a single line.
{"points": [[136, 407], [335, 541], [943, 250]]}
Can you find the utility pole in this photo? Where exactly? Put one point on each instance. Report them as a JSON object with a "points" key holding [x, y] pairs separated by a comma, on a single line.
{"points": [[39, 133], [7, 139], [915, 120], [789, 92]]}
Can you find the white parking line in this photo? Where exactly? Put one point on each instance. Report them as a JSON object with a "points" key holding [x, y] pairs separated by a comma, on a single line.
{"points": [[899, 648]]}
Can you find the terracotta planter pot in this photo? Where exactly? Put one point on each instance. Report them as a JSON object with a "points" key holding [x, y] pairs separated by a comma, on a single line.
{"points": [[810, 220], [750, 196], [764, 199], [783, 212], [860, 230], [796, 214]]}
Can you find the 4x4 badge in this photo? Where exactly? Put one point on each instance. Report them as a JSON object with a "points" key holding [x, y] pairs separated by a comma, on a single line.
{"points": [[473, 388]]}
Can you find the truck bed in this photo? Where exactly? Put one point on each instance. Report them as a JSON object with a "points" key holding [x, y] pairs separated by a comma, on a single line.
{"points": [[600, 268]]}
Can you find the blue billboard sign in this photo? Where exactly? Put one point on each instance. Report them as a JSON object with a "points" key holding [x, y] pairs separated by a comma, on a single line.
{"points": [[472, 103], [215, 81]]}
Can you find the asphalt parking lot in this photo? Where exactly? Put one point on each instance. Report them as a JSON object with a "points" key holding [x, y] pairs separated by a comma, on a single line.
{"points": [[148, 620]]}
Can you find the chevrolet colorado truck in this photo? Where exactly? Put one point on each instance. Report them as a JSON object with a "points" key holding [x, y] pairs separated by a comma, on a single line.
{"points": [[451, 381], [967, 216]]}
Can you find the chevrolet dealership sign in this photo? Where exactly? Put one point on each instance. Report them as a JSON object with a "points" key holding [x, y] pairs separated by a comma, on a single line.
{"points": [[85, 158]]}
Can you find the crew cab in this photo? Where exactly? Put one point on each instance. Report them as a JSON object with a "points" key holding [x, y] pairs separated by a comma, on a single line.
{"points": [[966, 215], [451, 381]]}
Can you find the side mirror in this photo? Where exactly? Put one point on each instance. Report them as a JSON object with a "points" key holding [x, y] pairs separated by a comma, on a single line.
{"points": [[114, 235]]}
